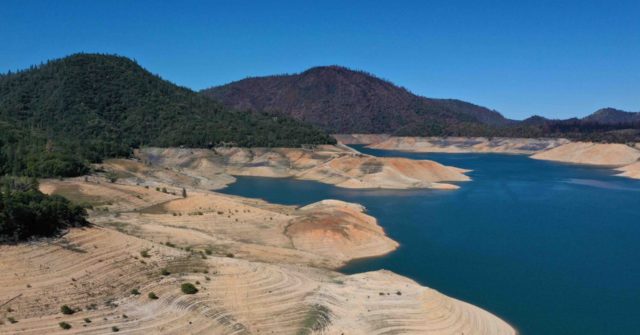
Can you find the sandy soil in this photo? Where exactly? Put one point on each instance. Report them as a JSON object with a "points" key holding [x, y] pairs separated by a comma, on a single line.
{"points": [[325, 234], [260, 268], [630, 171], [95, 270], [524, 146], [592, 154], [624, 157], [334, 165]]}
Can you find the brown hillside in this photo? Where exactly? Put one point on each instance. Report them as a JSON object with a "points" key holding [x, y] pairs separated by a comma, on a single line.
{"points": [[341, 100]]}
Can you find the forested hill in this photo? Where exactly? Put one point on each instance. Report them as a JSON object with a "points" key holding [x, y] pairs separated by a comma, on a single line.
{"points": [[613, 116], [341, 100], [57, 116]]}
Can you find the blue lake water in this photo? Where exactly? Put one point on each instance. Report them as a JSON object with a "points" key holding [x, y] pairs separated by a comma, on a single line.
{"points": [[550, 248]]}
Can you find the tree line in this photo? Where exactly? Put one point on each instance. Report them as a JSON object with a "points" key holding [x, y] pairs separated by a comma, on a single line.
{"points": [[59, 117]]}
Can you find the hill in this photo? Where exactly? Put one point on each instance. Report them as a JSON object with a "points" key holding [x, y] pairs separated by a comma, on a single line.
{"points": [[344, 101], [535, 120], [341, 100], [613, 116], [57, 116]]}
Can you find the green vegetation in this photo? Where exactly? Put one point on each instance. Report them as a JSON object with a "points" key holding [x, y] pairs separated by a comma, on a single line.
{"points": [[64, 325], [115, 329], [66, 310], [27, 212], [573, 129], [165, 272], [26, 152], [56, 117], [111, 176], [317, 319], [188, 288], [135, 291], [152, 296]]}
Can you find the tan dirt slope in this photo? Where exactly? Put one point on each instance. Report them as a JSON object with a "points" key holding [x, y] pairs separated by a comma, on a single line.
{"points": [[95, 270], [630, 171], [259, 268], [624, 157], [334, 165], [524, 146], [592, 154], [326, 234]]}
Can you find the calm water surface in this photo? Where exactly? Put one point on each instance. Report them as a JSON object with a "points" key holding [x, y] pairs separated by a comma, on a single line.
{"points": [[550, 248]]}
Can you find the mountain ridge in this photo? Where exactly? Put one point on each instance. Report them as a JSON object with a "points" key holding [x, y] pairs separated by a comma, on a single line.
{"points": [[344, 101], [609, 115], [85, 107], [340, 99]]}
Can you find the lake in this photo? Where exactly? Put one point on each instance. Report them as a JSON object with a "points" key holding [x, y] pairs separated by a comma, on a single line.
{"points": [[550, 248]]}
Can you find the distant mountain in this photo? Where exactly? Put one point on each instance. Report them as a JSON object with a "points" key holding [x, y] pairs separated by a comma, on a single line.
{"points": [[613, 116], [535, 120], [341, 100], [85, 107]]}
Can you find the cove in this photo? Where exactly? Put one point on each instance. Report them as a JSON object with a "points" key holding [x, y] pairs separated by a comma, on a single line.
{"points": [[550, 248]]}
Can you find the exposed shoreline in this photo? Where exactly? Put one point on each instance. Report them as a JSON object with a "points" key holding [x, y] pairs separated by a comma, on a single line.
{"points": [[335, 165], [624, 159], [260, 267]]}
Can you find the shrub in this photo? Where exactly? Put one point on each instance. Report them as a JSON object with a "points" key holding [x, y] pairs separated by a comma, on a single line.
{"points": [[145, 253], [135, 291], [66, 310], [188, 288], [87, 320], [12, 319], [64, 325], [111, 176], [115, 329], [165, 272], [26, 212], [152, 296]]}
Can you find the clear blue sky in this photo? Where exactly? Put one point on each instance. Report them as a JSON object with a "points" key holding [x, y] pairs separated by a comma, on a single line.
{"points": [[554, 58]]}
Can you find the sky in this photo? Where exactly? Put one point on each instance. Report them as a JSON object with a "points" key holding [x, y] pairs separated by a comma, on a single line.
{"points": [[557, 59]]}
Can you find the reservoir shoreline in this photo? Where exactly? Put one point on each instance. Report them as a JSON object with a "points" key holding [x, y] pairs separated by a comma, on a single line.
{"points": [[512, 261]]}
